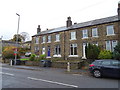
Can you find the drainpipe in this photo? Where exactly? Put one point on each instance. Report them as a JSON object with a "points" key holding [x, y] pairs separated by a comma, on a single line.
{"points": [[64, 45]]}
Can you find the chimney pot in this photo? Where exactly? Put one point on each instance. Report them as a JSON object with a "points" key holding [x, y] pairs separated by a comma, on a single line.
{"points": [[38, 29], [68, 22], [75, 23]]}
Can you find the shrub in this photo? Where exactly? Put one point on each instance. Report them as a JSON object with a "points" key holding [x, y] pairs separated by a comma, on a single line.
{"points": [[92, 51], [22, 51], [43, 56], [32, 57], [105, 55], [116, 53], [8, 53]]}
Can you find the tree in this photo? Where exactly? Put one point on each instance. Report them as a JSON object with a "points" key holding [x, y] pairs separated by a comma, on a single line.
{"points": [[105, 54], [8, 53], [116, 52], [22, 51], [20, 38], [92, 51], [25, 36]]}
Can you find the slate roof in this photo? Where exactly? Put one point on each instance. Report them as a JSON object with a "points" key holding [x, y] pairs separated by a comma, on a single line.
{"points": [[10, 42], [81, 25]]}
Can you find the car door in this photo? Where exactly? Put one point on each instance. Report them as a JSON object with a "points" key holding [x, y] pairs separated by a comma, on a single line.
{"points": [[116, 68], [106, 68]]}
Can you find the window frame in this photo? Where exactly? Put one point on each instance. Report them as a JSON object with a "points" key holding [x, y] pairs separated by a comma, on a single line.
{"points": [[109, 28], [43, 39], [74, 49], [36, 40], [43, 51], [36, 48], [57, 37], [49, 39], [111, 45], [94, 32], [57, 50], [85, 33], [73, 35]]}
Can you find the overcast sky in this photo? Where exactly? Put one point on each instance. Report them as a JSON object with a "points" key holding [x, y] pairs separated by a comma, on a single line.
{"points": [[50, 14]]}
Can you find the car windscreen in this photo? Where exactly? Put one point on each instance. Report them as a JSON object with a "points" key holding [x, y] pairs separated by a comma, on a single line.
{"points": [[97, 63]]}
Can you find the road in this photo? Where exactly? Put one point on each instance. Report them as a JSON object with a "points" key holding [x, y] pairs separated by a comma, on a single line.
{"points": [[52, 78]]}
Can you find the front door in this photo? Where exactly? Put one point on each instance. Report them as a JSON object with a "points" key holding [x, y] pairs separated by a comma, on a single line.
{"points": [[48, 51], [84, 56]]}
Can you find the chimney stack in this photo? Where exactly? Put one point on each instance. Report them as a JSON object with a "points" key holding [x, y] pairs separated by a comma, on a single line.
{"points": [[38, 29], [75, 23], [69, 22], [119, 10]]}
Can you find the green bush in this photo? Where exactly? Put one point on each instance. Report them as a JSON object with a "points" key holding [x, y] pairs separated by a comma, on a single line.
{"points": [[43, 56], [105, 55], [92, 51], [116, 53], [32, 57]]}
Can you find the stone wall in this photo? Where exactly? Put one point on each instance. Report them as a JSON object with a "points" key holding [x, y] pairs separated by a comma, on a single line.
{"points": [[5, 61], [73, 65], [58, 64], [32, 63]]}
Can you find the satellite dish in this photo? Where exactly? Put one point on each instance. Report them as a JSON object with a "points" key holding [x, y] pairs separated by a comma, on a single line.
{"points": [[25, 35]]}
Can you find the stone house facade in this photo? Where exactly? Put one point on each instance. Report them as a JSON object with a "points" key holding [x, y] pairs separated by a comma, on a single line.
{"points": [[68, 42], [26, 44]]}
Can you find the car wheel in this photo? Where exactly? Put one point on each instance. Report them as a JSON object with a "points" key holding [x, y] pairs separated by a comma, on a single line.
{"points": [[97, 73]]}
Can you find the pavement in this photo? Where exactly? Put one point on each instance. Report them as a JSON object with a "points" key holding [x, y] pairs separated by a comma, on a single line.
{"points": [[37, 68]]}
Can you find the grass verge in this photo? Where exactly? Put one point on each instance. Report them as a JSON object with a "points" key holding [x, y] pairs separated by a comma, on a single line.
{"points": [[23, 59]]}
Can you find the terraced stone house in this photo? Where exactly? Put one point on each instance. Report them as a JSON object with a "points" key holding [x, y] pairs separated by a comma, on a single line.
{"points": [[68, 42]]}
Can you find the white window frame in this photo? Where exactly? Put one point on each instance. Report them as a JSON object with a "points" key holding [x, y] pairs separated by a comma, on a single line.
{"points": [[73, 35], [85, 33], [95, 43], [36, 40], [49, 39], [36, 48], [43, 39], [114, 43], [110, 28], [108, 45], [94, 32], [43, 50], [58, 54], [73, 51], [111, 44], [57, 37]]}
